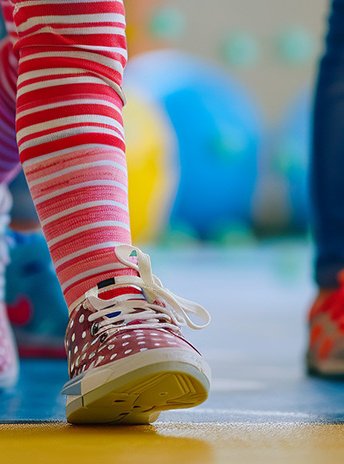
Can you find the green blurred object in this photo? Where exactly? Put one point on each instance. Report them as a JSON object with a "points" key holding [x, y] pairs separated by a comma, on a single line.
{"points": [[234, 233], [288, 158], [168, 23], [287, 265], [296, 45], [241, 50], [179, 235]]}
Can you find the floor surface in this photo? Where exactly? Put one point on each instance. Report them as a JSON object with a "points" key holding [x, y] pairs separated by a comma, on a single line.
{"points": [[262, 408]]}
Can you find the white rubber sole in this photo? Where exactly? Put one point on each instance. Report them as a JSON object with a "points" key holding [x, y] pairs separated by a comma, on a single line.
{"points": [[10, 378], [136, 389]]}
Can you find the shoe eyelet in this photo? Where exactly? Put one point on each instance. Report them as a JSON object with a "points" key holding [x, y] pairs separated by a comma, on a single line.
{"points": [[103, 337], [94, 329]]}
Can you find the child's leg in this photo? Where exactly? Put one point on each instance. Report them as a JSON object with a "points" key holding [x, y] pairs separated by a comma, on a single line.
{"points": [[70, 133], [326, 348], [127, 357]]}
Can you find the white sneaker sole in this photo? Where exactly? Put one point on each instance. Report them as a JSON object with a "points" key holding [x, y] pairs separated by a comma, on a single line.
{"points": [[136, 389], [10, 378]]}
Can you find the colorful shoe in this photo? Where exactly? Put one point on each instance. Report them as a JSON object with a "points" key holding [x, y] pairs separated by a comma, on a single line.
{"points": [[9, 367], [35, 304], [325, 356], [127, 358]]}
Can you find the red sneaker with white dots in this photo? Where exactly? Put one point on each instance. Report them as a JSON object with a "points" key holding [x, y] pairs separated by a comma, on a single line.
{"points": [[325, 355], [9, 366], [127, 357]]}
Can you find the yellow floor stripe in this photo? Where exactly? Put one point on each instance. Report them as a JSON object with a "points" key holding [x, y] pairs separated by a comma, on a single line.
{"points": [[172, 443]]}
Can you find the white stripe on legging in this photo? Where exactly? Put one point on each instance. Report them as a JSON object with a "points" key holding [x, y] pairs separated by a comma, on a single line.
{"points": [[49, 72], [68, 133], [90, 204], [95, 183], [97, 58], [71, 101], [94, 225], [97, 18], [79, 167], [84, 251], [46, 84], [33, 162], [98, 270], [81, 119]]}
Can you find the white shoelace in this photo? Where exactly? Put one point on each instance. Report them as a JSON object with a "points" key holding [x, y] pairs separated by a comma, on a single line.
{"points": [[176, 313]]}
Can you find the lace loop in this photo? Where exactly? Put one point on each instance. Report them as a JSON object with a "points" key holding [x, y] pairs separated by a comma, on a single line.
{"points": [[173, 312]]}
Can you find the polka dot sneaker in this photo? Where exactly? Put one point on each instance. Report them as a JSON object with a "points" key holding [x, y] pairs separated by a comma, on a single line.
{"points": [[127, 357], [9, 366]]}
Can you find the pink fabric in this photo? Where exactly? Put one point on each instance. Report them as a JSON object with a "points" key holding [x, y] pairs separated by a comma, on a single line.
{"points": [[9, 159], [70, 134]]}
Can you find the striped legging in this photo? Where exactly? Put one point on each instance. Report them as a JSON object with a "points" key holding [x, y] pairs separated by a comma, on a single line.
{"points": [[62, 67]]}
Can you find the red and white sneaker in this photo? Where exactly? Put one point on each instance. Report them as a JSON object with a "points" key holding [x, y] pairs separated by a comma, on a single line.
{"points": [[325, 354], [127, 358], [9, 366]]}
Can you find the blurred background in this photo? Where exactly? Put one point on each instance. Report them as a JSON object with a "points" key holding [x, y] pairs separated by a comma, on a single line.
{"points": [[218, 133], [219, 102], [218, 118]]}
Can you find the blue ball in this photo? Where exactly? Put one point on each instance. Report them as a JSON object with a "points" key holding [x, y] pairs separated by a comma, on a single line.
{"points": [[218, 138]]}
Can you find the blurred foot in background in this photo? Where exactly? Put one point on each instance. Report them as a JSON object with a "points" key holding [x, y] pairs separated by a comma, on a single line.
{"points": [[36, 308], [35, 304], [326, 340], [325, 355]]}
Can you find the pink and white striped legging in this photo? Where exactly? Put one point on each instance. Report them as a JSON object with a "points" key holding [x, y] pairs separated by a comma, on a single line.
{"points": [[62, 70]]}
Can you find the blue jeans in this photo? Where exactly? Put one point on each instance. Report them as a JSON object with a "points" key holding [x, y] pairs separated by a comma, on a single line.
{"points": [[327, 164]]}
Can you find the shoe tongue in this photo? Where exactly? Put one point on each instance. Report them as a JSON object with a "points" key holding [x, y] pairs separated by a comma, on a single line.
{"points": [[108, 292]]}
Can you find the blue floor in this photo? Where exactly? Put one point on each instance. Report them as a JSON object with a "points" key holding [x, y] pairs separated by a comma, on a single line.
{"points": [[258, 297]]}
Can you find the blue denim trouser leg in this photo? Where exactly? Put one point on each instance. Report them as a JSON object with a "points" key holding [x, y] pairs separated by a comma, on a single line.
{"points": [[327, 171]]}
